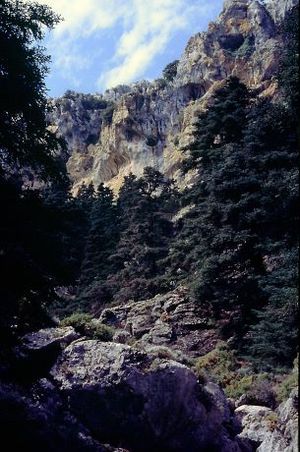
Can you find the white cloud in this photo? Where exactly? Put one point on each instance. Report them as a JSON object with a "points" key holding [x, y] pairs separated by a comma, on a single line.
{"points": [[146, 29]]}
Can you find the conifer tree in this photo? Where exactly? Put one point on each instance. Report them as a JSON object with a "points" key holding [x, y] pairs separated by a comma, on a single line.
{"points": [[100, 244], [146, 230], [217, 250]]}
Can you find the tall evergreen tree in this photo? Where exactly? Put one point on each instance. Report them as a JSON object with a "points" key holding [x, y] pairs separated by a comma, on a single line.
{"points": [[146, 230], [100, 244], [26, 145], [217, 249], [24, 137]]}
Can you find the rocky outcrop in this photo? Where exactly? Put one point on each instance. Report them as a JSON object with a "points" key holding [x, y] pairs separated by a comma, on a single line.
{"points": [[49, 337], [127, 397], [38, 351], [149, 124], [98, 396], [171, 320], [271, 431]]}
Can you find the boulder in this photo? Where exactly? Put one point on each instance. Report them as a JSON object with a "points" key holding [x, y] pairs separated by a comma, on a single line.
{"points": [[36, 419], [38, 351], [135, 400], [49, 337], [284, 437], [256, 421], [271, 431]]}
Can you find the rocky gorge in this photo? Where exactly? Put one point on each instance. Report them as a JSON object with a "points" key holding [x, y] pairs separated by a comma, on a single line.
{"points": [[152, 373]]}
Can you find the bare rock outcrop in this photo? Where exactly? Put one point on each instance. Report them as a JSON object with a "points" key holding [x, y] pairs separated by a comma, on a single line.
{"points": [[171, 320], [271, 431], [149, 124]]}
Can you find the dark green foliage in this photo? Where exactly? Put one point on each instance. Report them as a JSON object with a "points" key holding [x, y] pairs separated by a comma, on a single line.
{"points": [[67, 222], [273, 337], [145, 207], [288, 74], [85, 325], [170, 71], [243, 213], [27, 240], [247, 48], [220, 125], [216, 247], [25, 270], [101, 241], [24, 138]]}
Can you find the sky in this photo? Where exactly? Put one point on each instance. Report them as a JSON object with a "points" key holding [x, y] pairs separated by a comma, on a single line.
{"points": [[103, 43]]}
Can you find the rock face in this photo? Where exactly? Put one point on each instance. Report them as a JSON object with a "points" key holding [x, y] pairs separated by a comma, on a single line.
{"points": [[271, 431], [149, 124], [170, 320], [144, 403]]}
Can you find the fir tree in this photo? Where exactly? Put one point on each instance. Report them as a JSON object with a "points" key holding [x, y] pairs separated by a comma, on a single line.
{"points": [[146, 229], [100, 244], [217, 249]]}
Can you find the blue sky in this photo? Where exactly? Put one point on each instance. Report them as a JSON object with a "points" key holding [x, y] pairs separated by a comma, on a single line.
{"points": [[103, 43]]}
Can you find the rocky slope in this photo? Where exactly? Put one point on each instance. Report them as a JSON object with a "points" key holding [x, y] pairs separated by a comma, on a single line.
{"points": [[149, 124], [86, 394], [79, 394]]}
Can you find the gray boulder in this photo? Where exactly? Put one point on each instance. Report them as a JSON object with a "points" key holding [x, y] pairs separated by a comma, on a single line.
{"points": [[38, 351], [134, 400], [49, 337], [272, 431]]}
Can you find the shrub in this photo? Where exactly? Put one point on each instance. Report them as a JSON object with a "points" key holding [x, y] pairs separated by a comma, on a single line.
{"points": [[170, 71], [78, 321], [222, 366], [290, 382], [247, 48], [84, 324], [219, 364], [100, 331]]}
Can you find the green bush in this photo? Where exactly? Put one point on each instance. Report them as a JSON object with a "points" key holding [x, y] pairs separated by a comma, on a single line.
{"points": [[290, 382], [100, 331], [78, 321], [219, 364], [85, 325], [222, 366]]}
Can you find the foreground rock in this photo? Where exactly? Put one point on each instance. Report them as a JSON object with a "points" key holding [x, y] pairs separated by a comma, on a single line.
{"points": [[49, 337], [37, 419], [131, 399], [271, 431], [38, 351]]}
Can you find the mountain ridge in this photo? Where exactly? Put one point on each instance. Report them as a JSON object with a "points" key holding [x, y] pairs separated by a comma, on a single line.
{"points": [[144, 124]]}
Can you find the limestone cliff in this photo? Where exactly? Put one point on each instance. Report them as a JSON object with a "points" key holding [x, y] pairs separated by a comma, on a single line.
{"points": [[150, 123]]}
